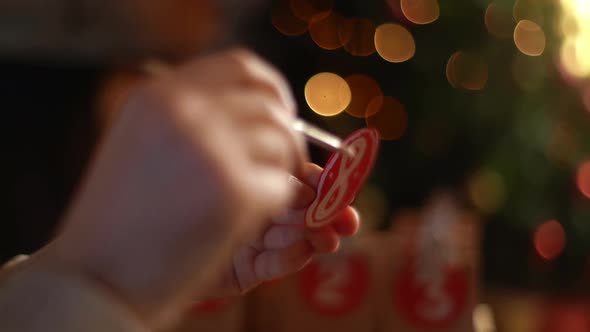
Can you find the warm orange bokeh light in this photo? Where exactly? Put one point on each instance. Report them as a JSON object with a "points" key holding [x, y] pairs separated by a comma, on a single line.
{"points": [[326, 32], [583, 178], [487, 190], [586, 97], [467, 71], [528, 10], [311, 10], [389, 117], [356, 34], [498, 20], [394, 43], [327, 94], [364, 89], [285, 21], [529, 38], [420, 11], [549, 239]]}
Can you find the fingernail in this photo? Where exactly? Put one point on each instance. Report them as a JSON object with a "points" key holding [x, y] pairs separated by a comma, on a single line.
{"points": [[15, 261], [295, 181], [357, 214]]}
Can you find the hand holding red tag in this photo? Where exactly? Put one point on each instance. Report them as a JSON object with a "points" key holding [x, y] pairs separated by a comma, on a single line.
{"points": [[343, 177]]}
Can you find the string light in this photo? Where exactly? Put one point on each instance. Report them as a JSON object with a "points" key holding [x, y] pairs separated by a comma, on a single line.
{"points": [[327, 94]]}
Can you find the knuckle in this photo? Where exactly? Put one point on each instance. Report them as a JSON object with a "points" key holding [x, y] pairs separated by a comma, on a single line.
{"points": [[242, 60]]}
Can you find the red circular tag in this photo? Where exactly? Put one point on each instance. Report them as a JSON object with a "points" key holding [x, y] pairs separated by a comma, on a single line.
{"points": [[209, 306], [335, 288], [343, 177], [433, 300]]}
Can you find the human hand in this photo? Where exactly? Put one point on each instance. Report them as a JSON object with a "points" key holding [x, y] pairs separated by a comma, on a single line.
{"points": [[198, 159], [286, 245]]}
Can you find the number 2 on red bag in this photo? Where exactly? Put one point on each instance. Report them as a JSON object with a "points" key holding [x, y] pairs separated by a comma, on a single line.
{"points": [[343, 177]]}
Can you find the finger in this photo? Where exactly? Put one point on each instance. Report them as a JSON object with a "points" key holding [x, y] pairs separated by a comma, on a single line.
{"points": [[262, 112], [323, 239], [304, 194], [347, 224], [255, 70], [290, 217], [277, 263], [282, 236], [14, 261], [241, 68], [270, 190], [295, 215], [268, 146], [311, 175]]}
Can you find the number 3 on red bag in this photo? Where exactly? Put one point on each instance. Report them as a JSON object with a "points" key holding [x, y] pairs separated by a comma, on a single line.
{"points": [[336, 287], [343, 177]]}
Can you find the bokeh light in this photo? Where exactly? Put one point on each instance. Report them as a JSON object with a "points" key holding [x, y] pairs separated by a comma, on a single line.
{"points": [[364, 89], [583, 178], [394, 43], [420, 11], [498, 20], [529, 38], [586, 97], [311, 10], [327, 94], [487, 190], [575, 57], [326, 32], [574, 26], [371, 203], [389, 117], [467, 71], [528, 10], [529, 73], [356, 35], [549, 239], [285, 21], [483, 318]]}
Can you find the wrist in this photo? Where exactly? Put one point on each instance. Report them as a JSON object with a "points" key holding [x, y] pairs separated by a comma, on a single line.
{"points": [[58, 298]]}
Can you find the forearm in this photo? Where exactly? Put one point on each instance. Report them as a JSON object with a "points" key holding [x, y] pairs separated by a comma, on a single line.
{"points": [[37, 297]]}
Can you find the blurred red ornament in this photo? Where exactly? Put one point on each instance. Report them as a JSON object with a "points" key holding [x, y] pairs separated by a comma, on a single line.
{"points": [[549, 239]]}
